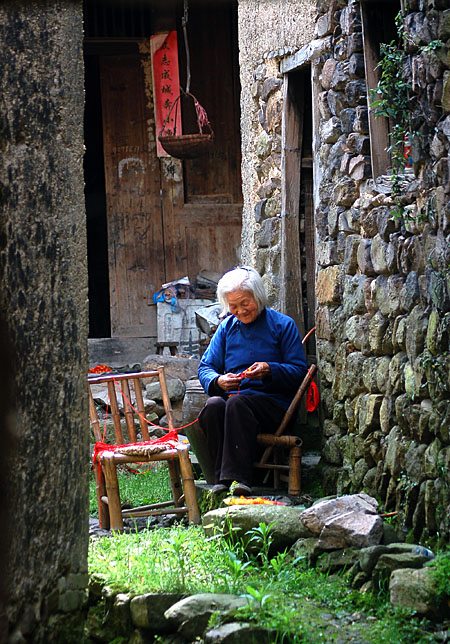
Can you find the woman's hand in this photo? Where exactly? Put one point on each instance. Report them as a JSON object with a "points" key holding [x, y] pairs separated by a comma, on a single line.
{"points": [[257, 371], [229, 381]]}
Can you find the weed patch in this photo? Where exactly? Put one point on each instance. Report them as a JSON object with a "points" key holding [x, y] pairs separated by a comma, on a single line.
{"points": [[299, 604]]}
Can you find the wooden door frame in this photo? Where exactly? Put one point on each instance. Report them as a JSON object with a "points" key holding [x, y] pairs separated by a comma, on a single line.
{"points": [[294, 93]]}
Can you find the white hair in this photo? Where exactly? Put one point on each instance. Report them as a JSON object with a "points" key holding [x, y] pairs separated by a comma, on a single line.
{"points": [[241, 278]]}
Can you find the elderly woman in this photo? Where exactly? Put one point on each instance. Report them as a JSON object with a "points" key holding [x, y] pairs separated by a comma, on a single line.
{"points": [[251, 371]]}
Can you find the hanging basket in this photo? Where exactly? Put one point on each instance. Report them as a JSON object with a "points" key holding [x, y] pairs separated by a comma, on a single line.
{"points": [[188, 146]]}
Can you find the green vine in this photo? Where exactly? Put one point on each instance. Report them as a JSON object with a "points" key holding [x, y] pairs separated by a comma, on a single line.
{"points": [[391, 99]]}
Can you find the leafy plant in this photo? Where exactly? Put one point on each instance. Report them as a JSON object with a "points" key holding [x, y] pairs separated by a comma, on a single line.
{"points": [[262, 537], [441, 574], [392, 99]]}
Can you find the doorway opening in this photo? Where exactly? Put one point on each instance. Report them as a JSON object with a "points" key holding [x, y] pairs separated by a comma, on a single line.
{"points": [[299, 235]]}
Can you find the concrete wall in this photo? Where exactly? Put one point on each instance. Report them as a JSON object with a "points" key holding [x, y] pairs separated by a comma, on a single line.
{"points": [[268, 30], [43, 294]]}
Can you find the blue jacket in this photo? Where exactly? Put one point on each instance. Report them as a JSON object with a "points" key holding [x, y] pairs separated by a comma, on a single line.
{"points": [[273, 338]]}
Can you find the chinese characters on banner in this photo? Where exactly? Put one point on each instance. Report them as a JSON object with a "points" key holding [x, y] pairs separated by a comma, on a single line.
{"points": [[166, 84]]}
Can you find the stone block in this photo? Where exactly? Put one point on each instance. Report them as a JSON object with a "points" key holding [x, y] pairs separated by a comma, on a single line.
{"points": [[340, 76], [347, 117], [395, 450], [414, 462], [324, 108], [354, 43], [431, 454], [361, 126], [323, 323], [336, 102], [345, 192], [269, 86], [190, 616], [329, 285], [370, 375], [349, 221], [326, 253], [368, 219], [382, 373], [345, 521], [395, 286], [263, 145], [350, 19], [259, 210], [410, 292], [356, 66], [356, 330], [331, 130], [353, 295], [273, 206], [396, 372], [387, 415], [416, 328], [331, 452], [413, 590], [360, 167], [147, 611], [364, 257], [399, 333], [369, 414], [445, 100], [356, 92], [274, 112], [324, 25], [269, 233], [327, 73], [383, 256]]}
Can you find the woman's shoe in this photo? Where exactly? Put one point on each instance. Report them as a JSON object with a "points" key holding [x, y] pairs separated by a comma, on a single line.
{"points": [[219, 488], [242, 490]]}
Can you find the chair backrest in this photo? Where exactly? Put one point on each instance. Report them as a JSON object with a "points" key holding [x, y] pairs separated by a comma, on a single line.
{"points": [[120, 384], [291, 410]]}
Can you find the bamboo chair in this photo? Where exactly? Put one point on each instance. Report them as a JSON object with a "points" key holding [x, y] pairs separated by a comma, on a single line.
{"points": [[277, 442], [177, 457]]}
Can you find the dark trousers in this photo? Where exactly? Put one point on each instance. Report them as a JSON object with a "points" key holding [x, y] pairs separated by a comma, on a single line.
{"points": [[231, 427]]}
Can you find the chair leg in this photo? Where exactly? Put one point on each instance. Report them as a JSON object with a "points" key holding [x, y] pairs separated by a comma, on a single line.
{"points": [[190, 494], [100, 486], [175, 480], [295, 461], [112, 491], [276, 472]]}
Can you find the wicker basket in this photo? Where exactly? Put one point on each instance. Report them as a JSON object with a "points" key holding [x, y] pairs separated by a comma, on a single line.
{"points": [[187, 146]]}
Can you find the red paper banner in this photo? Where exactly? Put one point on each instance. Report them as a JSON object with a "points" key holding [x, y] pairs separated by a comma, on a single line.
{"points": [[166, 84]]}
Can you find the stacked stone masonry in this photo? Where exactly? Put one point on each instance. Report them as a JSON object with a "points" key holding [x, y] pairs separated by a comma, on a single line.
{"points": [[383, 287], [382, 282]]}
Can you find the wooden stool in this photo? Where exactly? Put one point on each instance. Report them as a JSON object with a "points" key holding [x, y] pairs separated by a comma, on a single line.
{"points": [[173, 348]]}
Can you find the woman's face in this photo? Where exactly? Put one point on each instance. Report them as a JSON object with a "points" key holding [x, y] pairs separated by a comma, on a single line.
{"points": [[242, 305]]}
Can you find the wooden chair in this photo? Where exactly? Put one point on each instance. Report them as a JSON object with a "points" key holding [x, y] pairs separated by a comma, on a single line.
{"points": [[278, 442], [174, 453]]}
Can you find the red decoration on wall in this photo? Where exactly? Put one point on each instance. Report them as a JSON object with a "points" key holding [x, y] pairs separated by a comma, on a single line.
{"points": [[166, 84]]}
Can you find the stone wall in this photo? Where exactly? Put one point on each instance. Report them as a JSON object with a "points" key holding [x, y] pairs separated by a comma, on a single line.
{"points": [[383, 284], [268, 30], [43, 294]]}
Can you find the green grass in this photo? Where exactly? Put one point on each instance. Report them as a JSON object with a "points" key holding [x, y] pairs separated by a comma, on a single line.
{"points": [[299, 603], [150, 486]]}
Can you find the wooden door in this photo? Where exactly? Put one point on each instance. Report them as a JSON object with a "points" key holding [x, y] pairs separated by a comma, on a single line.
{"points": [[135, 237], [202, 199], [168, 218]]}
